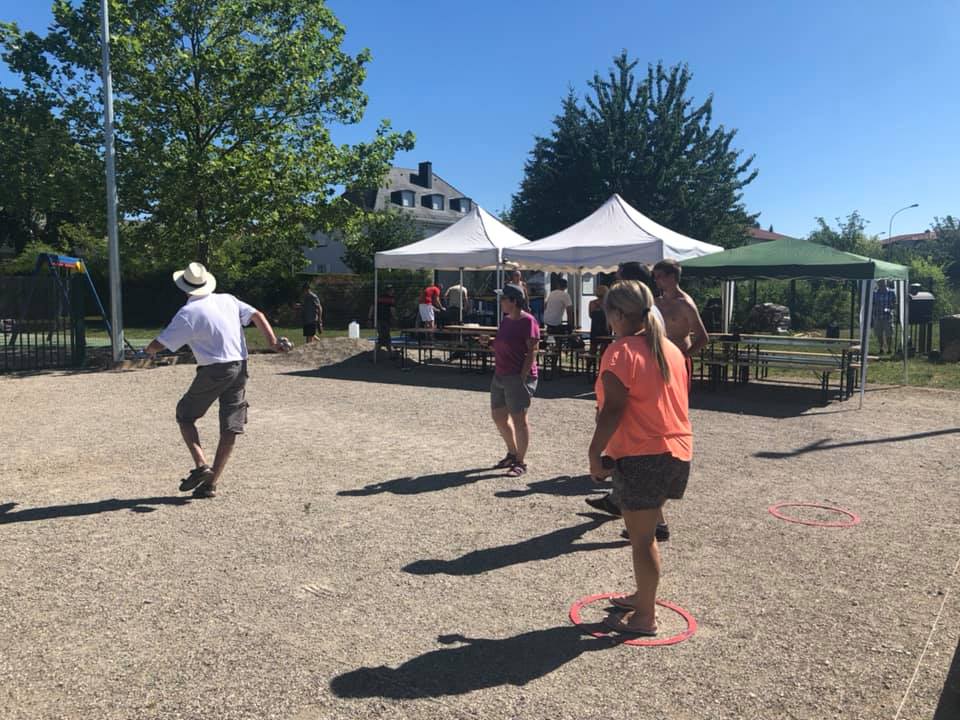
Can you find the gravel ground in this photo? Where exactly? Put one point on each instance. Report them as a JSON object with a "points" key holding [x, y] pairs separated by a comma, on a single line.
{"points": [[361, 561]]}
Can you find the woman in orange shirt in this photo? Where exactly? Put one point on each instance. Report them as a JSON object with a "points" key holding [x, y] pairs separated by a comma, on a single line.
{"points": [[643, 424]]}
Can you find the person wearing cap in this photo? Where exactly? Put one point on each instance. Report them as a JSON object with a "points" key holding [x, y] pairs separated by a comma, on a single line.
{"points": [[212, 325], [515, 377]]}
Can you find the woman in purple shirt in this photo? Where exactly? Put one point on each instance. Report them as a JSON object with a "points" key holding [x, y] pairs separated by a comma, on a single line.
{"points": [[515, 377]]}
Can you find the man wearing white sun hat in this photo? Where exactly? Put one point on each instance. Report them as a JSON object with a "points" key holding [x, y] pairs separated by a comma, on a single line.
{"points": [[212, 325]]}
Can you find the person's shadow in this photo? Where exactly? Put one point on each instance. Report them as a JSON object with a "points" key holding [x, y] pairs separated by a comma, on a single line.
{"points": [[542, 547], [564, 486], [138, 505], [425, 483], [476, 663]]}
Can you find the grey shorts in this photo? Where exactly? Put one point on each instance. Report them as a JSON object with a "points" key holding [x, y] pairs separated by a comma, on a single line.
{"points": [[883, 326], [226, 382], [645, 482], [511, 392]]}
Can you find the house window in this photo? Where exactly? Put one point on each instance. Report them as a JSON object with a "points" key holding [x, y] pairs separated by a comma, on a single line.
{"points": [[403, 198], [434, 202], [463, 204]]}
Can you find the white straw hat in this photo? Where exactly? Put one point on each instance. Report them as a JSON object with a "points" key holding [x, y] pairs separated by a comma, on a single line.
{"points": [[196, 280]]}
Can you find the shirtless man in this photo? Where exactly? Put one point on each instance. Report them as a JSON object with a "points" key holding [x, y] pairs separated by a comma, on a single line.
{"points": [[680, 315], [681, 319]]}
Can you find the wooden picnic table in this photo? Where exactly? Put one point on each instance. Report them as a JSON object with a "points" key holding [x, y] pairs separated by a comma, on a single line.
{"points": [[733, 356]]}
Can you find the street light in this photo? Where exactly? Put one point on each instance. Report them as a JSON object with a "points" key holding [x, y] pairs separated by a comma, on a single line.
{"points": [[904, 304], [890, 228], [113, 244]]}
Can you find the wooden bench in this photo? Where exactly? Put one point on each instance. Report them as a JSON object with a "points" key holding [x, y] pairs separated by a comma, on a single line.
{"points": [[737, 354], [822, 364]]}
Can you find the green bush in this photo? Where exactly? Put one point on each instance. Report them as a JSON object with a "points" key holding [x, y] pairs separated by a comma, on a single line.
{"points": [[933, 278]]}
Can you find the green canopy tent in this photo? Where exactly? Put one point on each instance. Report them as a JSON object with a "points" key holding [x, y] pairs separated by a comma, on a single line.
{"points": [[791, 259]]}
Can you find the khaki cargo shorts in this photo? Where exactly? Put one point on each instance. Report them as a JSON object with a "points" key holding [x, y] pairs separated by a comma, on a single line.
{"points": [[226, 382]]}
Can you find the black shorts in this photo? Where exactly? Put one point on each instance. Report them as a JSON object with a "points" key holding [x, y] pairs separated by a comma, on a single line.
{"points": [[645, 482], [226, 382], [309, 330]]}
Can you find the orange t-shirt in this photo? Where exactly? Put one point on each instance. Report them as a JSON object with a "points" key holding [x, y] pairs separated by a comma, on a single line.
{"points": [[656, 419]]}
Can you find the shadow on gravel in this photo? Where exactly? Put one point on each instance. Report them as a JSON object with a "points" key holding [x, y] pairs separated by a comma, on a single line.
{"points": [[440, 375], [760, 399], [425, 483], [543, 547], [477, 663], [821, 445], [563, 486], [949, 706], [138, 505]]}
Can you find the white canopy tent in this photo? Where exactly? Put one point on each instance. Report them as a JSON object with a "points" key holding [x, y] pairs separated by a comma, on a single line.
{"points": [[476, 242], [614, 233]]}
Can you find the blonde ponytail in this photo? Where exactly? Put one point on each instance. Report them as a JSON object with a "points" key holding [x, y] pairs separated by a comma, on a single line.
{"points": [[655, 336], [635, 301]]}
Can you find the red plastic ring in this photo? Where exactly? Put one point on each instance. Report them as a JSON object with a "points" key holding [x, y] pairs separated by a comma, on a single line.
{"points": [[640, 641], [775, 511]]}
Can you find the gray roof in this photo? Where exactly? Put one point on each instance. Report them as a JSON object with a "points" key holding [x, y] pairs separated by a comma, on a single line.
{"points": [[407, 179]]}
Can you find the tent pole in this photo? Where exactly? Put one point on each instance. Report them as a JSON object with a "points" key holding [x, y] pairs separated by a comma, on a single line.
{"points": [[577, 320], [376, 314], [905, 325], [727, 298], [866, 308], [461, 296], [853, 300], [723, 307], [496, 302]]}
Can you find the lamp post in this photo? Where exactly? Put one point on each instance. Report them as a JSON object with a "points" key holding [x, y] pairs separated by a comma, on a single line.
{"points": [[890, 228], [904, 303], [113, 246]]}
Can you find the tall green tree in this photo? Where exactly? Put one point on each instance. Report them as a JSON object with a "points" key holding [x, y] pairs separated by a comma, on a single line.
{"points": [[849, 235], [647, 140], [223, 116], [947, 231], [372, 232], [48, 179]]}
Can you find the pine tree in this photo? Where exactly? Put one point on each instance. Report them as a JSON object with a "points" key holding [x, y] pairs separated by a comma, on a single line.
{"points": [[647, 141]]}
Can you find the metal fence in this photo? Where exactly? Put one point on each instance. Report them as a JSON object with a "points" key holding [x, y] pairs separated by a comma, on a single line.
{"points": [[41, 322]]}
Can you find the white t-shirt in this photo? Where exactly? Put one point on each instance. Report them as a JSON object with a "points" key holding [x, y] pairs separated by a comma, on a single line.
{"points": [[557, 302], [213, 328]]}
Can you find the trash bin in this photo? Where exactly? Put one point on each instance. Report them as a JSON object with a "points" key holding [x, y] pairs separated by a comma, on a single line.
{"points": [[833, 330], [950, 338]]}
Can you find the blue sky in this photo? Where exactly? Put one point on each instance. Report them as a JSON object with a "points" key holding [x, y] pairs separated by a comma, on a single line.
{"points": [[846, 105]]}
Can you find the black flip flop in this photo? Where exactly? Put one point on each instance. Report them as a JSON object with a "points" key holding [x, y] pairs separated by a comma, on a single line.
{"points": [[507, 462]]}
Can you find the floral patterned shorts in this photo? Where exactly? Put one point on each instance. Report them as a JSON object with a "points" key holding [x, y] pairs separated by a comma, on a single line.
{"points": [[645, 482]]}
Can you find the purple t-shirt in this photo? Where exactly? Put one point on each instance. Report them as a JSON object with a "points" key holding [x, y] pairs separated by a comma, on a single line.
{"points": [[510, 344]]}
